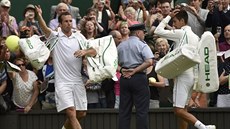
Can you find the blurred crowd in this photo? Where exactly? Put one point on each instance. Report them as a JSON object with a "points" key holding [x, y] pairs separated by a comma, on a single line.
{"points": [[34, 89]]}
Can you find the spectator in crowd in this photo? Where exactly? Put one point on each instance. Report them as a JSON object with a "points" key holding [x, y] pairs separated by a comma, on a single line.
{"points": [[91, 88], [218, 16], [141, 13], [196, 16], [158, 83], [153, 14], [162, 48], [223, 93], [74, 11], [91, 29], [115, 23], [220, 98], [116, 36], [117, 39], [54, 23], [105, 13], [225, 45], [134, 57], [92, 15], [95, 95], [47, 87], [165, 9], [8, 24], [70, 92], [7, 94], [128, 1], [29, 23], [4, 106], [129, 14], [124, 30], [25, 87], [183, 83]]}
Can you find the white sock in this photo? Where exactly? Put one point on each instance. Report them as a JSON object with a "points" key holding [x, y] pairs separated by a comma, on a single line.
{"points": [[199, 125], [63, 127]]}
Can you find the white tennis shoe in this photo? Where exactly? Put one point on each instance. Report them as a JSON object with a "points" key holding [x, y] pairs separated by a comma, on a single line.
{"points": [[210, 127]]}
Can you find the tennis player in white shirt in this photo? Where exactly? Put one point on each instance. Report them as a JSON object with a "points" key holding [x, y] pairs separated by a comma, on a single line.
{"points": [[183, 84]]}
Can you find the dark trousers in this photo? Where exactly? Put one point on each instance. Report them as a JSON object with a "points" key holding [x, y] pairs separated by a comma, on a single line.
{"points": [[134, 90]]}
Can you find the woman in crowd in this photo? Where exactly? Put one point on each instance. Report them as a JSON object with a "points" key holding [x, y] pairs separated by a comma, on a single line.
{"points": [[25, 90], [124, 30], [91, 29], [129, 14]]}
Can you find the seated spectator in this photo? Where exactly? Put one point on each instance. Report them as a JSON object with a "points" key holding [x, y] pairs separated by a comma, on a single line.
{"points": [[61, 7], [8, 24], [25, 90], [29, 26]]}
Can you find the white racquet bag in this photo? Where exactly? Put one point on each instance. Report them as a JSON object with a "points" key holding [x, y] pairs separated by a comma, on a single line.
{"points": [[177, 61], [105, 64], [206, 73], [35, 51]]}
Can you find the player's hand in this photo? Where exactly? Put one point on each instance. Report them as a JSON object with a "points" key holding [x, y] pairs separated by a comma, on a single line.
{"points": [[174, 12], [80, 53]]}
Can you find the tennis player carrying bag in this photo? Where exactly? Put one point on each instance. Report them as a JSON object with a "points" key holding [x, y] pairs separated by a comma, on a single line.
{"points": [[35, 51], [178, 60], [206, 73], [105, 64]]}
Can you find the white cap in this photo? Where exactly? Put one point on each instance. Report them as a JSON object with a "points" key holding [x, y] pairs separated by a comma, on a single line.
{"points": [[5, 3]]}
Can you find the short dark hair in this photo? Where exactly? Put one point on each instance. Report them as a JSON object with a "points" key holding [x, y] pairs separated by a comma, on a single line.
{"points": [[182, 14], [63, 14], [91, 10]]}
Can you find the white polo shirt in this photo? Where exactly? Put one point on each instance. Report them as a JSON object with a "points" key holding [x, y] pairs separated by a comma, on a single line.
{"points": [[66, 66]]}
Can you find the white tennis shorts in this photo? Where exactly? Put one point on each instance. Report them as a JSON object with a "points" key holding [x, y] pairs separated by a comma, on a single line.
{"points": [[183, 86], [70, 95]]}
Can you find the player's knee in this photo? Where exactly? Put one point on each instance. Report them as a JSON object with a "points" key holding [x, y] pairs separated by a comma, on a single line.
{"points": [[70, 112], [178, 111], [81, 114]]}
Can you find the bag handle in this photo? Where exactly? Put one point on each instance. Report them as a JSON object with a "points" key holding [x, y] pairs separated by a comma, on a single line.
{"points": [[90, 60], [184, 38], [181, 41], [51, 43]]}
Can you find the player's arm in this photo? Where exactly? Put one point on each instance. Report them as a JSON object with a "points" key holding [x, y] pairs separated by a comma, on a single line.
{"points": [[42, 24]]}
